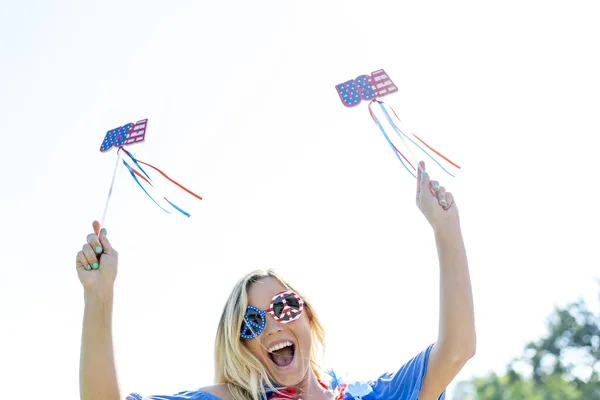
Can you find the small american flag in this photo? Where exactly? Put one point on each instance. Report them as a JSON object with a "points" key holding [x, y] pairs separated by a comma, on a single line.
{"points": [[365, 87], [125, 135]]}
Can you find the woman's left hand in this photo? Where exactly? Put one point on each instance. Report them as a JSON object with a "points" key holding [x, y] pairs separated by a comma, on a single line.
{"points": [[437, 205]]}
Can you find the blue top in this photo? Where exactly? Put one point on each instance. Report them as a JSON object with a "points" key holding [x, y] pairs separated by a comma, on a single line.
{"points": [[403, 384]]}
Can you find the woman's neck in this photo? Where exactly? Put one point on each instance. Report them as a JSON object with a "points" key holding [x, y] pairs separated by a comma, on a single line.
{"points": [[311, 388]]}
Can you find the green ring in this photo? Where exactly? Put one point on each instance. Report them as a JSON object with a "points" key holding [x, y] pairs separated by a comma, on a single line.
{"points": [[98, 249]]}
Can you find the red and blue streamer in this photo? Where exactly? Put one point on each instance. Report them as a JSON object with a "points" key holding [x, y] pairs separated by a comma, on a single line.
{"points": [[402, 134], [396, 151], [135, 174]]}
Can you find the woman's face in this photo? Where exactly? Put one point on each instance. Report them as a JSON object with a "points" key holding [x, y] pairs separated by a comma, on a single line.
{"points": [[284, 349]]}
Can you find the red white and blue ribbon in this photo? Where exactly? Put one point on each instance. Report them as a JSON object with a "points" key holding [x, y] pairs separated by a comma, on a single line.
{"points": [[404, 137], [146, 178]]}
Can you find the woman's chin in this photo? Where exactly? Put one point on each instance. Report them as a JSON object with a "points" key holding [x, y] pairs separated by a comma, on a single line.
{"points": [[288, 375]]}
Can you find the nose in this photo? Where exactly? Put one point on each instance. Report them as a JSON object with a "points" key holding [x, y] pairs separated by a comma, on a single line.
{"points": [[272, 326]]}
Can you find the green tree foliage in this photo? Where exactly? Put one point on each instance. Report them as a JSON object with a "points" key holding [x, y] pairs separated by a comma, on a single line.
{"points": [[562, 365]]}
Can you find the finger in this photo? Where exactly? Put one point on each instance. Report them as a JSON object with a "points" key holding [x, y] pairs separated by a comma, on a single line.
{"points": [[82, 262], [420, 169], [105, 243], [424, 179], [434, 187], [449, 200], [441, 196], [96, 227], [94, 242], [90, 256]]}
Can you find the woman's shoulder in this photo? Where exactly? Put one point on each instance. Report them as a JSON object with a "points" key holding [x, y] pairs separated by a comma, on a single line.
{"points": [[214, 392], [219, 390]]}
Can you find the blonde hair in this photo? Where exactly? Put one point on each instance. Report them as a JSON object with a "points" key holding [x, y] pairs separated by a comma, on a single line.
{"points": [[235, 365]]}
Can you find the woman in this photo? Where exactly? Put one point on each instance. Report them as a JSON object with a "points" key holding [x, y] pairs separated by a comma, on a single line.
{"points": [[269, 335]]}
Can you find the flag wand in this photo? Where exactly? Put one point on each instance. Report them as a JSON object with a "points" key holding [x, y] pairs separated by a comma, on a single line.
{"points": [[112, 184]]}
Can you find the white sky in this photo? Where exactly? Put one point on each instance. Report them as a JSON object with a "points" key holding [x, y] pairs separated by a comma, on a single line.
{"points": [[242, 108]]}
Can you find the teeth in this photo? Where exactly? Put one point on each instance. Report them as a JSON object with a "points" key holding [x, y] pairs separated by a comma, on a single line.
{"points": [[280, 346]]}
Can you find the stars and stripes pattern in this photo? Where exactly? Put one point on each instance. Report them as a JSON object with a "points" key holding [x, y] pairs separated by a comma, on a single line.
{"points": [[125, 135], [365, 87]]}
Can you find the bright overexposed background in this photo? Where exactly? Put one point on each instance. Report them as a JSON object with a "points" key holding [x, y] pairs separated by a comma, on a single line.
{"points": [[242, 108]]}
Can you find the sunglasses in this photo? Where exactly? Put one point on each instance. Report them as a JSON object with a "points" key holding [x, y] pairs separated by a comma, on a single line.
{"points": [[285, 307]]}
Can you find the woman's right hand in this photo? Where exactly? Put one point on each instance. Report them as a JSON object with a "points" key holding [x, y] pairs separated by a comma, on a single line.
{"points": [[97, 261]]}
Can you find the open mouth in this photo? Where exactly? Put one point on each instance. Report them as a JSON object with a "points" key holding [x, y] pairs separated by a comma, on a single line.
{"points": [[282, 354]]}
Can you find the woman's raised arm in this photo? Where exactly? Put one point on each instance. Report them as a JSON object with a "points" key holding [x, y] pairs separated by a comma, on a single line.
{"points": [[97, 269], [456, 338]]}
